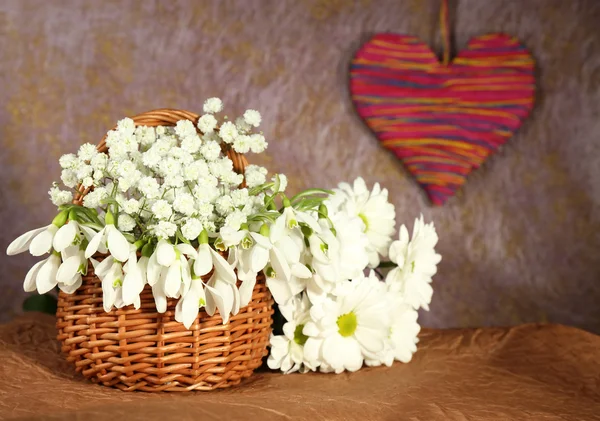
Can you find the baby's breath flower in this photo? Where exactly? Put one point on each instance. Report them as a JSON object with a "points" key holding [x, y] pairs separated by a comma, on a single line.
{"points": [[149, 187], [192, 228], [162, 209], [242, 143], [224, 204], [125, 222], [252, 117], [239, 197], [94, 198], [191, 144], [228, 132], [184, 203], [145, 135], [207, 123], [235, 219], [205, 209], [60, 197], [185, 128], [242, 126], [196, 169], [255, 175], [210, 150], [205, 193], [258, 144], [213, 105], [87, 151], [126, 126], [69, 178], [164, 229], [87, 182], [98, 162], [68, 161], [131, 206]]}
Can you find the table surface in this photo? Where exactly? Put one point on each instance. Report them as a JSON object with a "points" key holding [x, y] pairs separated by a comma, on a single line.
{"points": [[545, 372]]}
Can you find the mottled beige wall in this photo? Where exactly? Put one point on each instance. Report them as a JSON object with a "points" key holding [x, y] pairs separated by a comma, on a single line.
{"points": [[522, 241]]}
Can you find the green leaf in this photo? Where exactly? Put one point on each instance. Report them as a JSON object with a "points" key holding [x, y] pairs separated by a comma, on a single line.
{"points": [[44, 303]]}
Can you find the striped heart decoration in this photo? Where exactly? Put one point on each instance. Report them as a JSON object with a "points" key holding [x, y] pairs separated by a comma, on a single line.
{"points": [[442, 120]]}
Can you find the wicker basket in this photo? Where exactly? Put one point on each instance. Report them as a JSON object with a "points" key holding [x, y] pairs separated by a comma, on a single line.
{"points": [[145, 350]]}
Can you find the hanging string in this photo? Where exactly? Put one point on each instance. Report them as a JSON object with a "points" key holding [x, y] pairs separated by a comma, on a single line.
{"points": [[445, 31]]}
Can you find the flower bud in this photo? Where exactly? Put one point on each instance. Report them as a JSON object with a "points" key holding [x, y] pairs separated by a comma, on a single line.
{"points": [[109, 218], [60, 219], [203, 237], [323, 213], [73, 215], [306, 230], [138, 244], [265, 231], [147, 250], [286, 203]]}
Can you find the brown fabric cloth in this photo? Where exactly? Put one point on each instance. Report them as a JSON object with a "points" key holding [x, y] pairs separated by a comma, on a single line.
{"points": [[539, 372]]}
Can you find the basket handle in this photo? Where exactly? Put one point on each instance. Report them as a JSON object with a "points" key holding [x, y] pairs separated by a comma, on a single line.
{"points": [[166, 117]]}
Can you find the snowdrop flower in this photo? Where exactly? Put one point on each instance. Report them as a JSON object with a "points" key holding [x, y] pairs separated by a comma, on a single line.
{"points": [[221, 292], [74, 265], [42, 276], [417, 263], [188, 307], [38, 241], [110, 272], [255, 175], [353, 243], [377, 214], [287, 350], [344, 329], [135, 278], [252, 117], [213, 105], [168, 271], [116, 243], [69, 233]]}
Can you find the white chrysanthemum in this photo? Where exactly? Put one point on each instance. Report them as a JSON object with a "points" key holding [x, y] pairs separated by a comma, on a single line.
{"points": [[60, 197], [162, 209], [126, 223], [213, 105], [252, 117], [185, 128], [377, 214], [255, 175], [184, 203], [402, 340], [258, 144], [353, 243], [417, 263], [207, 123], [192, 228], [210, 150], [287, 350], [342, 331], [228, 132], [87, 152], [164, 229], [241, 144]]}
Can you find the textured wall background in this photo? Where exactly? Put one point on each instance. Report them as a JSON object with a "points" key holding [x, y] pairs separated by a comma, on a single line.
{"points": [[521, 243]]}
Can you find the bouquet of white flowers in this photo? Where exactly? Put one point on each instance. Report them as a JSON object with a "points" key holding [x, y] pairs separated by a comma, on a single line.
{"points": [[168, 209]]}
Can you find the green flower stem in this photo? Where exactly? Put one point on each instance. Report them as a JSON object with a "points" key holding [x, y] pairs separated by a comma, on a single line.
{"points": [[310, 192]]}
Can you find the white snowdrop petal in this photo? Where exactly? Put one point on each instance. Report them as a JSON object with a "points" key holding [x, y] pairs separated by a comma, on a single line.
{"points": [[30, 279], [165, 253], [117, 244], [42, 243], [65, 236], [21, 243]]}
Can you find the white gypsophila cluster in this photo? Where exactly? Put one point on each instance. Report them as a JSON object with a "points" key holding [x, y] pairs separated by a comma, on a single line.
{"points": [[167, 210], [168, 179]]}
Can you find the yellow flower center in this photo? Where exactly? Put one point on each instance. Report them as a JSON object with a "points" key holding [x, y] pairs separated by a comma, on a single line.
{"points": [[299, 337], [347, 324]]}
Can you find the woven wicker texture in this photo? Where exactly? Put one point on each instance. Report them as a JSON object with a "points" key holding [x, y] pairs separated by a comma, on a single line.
{"points": [[145, 350]]}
